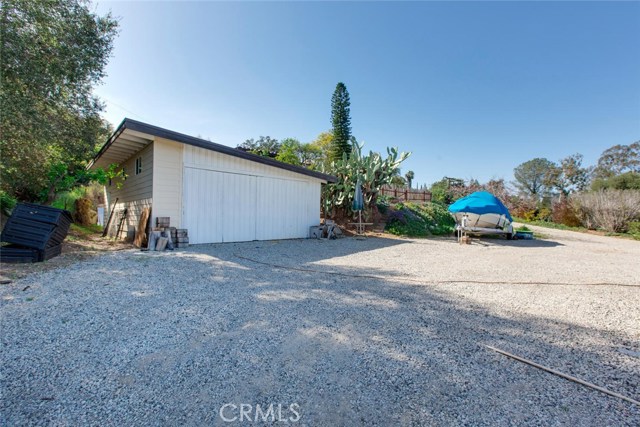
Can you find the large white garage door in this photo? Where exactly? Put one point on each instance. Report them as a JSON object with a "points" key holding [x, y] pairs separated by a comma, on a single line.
{"points": [[228, 207]]}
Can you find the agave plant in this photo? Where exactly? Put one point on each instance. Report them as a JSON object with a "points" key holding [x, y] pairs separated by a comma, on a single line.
{"points": [[373, 171]]}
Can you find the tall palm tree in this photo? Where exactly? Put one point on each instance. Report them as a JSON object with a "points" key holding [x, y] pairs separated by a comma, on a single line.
{"points": [[409, 177]]}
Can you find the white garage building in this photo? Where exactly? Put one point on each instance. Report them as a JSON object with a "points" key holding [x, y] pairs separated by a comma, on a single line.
{"points": [[217, 193]]}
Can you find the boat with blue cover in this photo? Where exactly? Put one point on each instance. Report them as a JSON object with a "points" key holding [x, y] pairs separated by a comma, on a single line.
{"points": [[482, 213]]}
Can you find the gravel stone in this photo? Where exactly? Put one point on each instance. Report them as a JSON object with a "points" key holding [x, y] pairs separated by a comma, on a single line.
{"points": [[379, 331]]}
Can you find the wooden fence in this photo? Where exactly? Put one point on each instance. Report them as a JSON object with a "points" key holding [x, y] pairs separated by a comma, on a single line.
{"points": [[405, 194]]}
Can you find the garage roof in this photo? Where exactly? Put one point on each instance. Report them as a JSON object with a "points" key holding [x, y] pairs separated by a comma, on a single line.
{"points": [[132, 136]]}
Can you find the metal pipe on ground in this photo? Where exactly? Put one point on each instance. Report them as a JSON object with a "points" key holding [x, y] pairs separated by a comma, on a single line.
{"points": [[563, 375]]}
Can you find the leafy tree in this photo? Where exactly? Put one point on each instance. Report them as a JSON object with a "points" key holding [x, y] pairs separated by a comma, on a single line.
{"points": [[409, 177], [619, 159], [265, 146], [289, 151], [323, 142], [321, 146], [294, 152], [569, 176], [440, 192], [341, 122], [532, 177], [624, 181], [61, 178], [448, 190], [53, 54], [309, 155], [498, 188]]}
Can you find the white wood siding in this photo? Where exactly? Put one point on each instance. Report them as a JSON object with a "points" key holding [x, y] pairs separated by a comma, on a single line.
{"points": [[134, 194], [228, 199], [212, 160], [167, 181]]}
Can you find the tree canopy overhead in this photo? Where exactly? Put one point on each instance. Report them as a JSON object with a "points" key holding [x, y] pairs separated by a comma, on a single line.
{"points": [[532, 177], [341, 122], [53, 54], [619, 159], [264, 146], [569, 176], [296, 153]]}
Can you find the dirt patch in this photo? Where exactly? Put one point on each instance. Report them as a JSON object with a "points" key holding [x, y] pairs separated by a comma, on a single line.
{"points": [[81, 243]]}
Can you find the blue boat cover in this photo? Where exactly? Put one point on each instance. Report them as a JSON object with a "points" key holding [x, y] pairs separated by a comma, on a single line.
{"points": [[480, 202]]}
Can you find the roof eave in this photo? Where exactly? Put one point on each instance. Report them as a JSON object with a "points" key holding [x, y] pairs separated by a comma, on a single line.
{"points": [[201, 143]]}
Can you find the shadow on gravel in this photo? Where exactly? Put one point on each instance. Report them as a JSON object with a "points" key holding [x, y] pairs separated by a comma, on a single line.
{"points": [[322, 249], [351, 349], [536, 243], [415, 354], [501, 241], [348, 350]]}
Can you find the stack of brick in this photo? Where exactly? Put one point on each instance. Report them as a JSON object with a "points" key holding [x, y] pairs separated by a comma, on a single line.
{"points": [[182, 238], [179, 237], [163, 222]]}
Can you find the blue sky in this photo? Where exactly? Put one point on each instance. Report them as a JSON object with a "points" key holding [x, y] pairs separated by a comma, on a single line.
{"points": [[472, 89]]}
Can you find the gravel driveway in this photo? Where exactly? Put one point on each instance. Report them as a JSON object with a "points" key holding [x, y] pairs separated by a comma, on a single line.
{"points": [[347, 332]]}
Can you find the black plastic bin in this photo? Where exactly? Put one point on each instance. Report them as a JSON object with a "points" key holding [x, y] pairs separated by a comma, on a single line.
{"points": [[35, 227], [18, 254]]}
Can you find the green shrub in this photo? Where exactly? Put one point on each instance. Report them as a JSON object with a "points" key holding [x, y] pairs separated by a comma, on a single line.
{"points": [[529, 215], [67, 199], [538, 214], [7, 202], [544, 214], [634, 229], [419, 220], [440, 192], [383, 202]]}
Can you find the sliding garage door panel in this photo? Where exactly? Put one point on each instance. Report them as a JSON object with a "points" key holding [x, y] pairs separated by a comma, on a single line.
{"points": [[203, 205], [239, 216], [283, 209], [272, 220]]}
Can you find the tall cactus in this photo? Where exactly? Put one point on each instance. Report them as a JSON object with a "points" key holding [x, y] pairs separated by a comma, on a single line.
{"points": [[373, 170]]}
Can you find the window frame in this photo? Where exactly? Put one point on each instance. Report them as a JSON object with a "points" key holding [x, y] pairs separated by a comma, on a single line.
{"points": [[138, 167]]}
